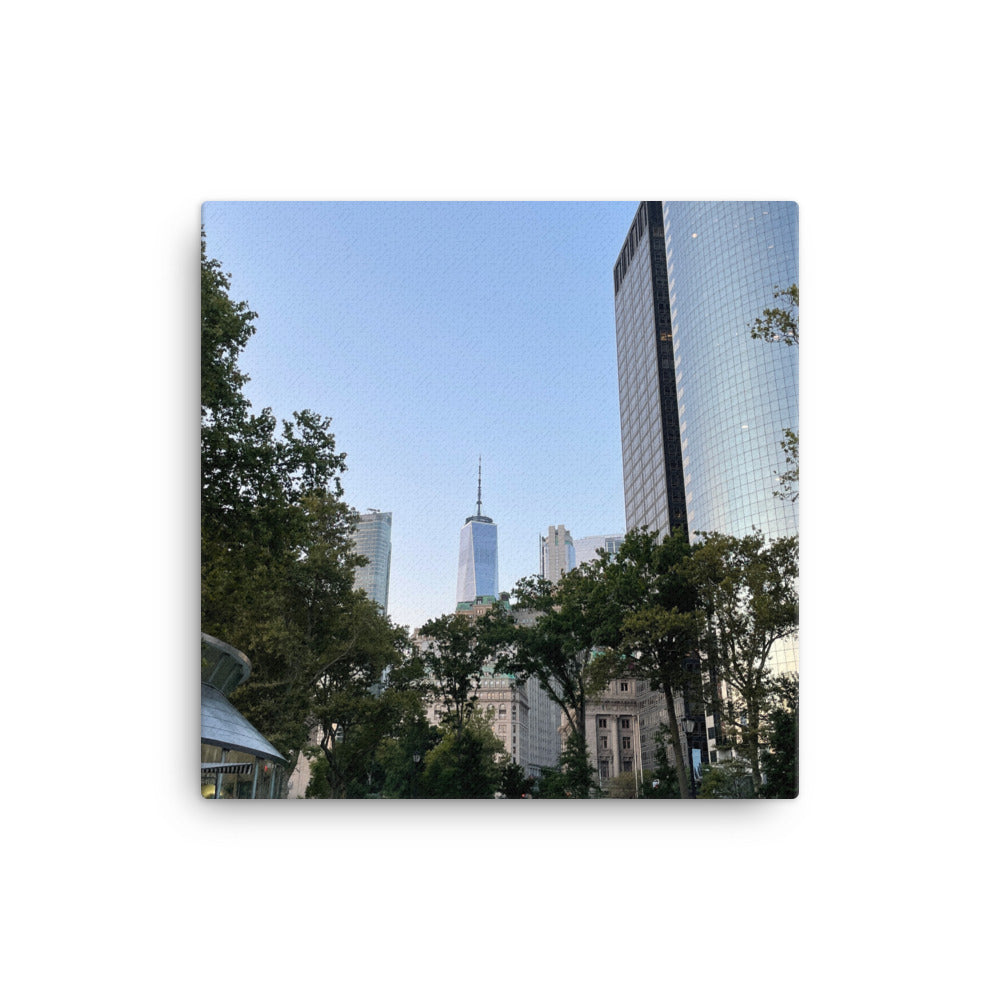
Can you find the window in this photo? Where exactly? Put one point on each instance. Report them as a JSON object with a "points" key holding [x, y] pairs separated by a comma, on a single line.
{"points": [[604, 743], [626, 743], [627, 765], [602, 723], [711, 732], [626, 723], [624, 685]]}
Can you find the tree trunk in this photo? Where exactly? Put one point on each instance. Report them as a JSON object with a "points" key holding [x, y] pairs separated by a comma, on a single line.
{"points": [[680, 764]]}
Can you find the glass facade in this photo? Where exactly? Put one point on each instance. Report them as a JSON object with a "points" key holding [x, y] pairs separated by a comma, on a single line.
{"points": [[478, 571], [372, 539], [735, 395], [647, 392]]}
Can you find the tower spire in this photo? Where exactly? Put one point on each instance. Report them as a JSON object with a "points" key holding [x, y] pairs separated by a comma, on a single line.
{"points": [[479, 495]]}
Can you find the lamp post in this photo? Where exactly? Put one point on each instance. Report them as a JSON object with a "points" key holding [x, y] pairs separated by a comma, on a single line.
{"points": [[689, 725]]}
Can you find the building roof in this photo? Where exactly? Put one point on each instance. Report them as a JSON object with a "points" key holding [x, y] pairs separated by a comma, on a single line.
{"points": [[222, 725]]}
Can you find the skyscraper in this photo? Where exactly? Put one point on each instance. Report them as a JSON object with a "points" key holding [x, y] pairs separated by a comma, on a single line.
{"points": [[704, 406], [647, 387], [735, 395], [478, 572], [556, 554], [372, 539], [587, 548]]}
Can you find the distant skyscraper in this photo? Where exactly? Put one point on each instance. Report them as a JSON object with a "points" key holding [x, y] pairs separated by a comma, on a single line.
{"points": [[478, 572], [588, 547], [372, 540], [556, 554]]}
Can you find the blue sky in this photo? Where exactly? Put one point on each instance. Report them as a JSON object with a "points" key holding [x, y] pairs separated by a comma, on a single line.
{"points": [[431, 333]]}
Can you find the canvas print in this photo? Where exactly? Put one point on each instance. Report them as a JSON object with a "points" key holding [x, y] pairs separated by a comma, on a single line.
{"points": [[499, 500]]}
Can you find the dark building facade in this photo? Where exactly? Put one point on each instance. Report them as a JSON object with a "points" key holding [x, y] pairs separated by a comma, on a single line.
{"points": [[647, 390]]}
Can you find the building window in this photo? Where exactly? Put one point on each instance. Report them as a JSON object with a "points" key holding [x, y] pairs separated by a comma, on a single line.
{"points": [[602, 723], [626, 723], [711, 732], [604, 769], [604, 743], [627, 765], [624, 685], [626, 743]]}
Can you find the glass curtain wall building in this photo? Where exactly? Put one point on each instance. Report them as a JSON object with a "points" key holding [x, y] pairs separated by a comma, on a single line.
{"points": [[372, 539], [735, 395], [478, 569], [647, 390], [704, 407]]}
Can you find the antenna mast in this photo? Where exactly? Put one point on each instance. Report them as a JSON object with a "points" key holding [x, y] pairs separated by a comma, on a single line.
{"points": [[479, 496]]}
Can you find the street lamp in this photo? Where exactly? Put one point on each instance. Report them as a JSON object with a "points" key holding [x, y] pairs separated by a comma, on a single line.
{"points": [[689, 725]]}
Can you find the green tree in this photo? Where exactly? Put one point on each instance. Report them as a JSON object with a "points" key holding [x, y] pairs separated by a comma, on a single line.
{"points": [[514, 783], [562, 628], [455, 654], [781, 764], [352, 707], [651, 583], [661, 782], [464, 765], [729, 779], [573, 776], [749, 594], [277, 560]]}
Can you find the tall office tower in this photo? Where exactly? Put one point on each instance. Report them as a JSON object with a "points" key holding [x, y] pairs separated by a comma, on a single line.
{"points": [[735, 395], [556, 554], [703, 406], [588, 547], [478, 573], [647, 390], [372, 540]]}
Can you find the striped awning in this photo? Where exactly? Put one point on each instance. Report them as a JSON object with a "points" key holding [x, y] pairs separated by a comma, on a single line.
{"points": [[244, 768]]}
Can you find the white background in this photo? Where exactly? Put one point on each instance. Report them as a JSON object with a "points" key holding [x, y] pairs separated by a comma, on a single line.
{"points": [[120, 120]]}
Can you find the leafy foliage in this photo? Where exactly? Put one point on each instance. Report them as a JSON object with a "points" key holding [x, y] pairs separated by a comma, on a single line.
{"points": [[466, 764], [278, 561], [748, 591], [781, 324], [781, 764], [651, 582]]}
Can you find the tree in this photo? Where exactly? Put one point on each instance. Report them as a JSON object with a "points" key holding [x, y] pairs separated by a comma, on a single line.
{"points": [[352, 707], [455, 655], [277, 559], [729, 779], [573, 776], [514, 783], [562, 629], [748, 591], [466, 764], [781, 325], [651, 582], [781, 764]]}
